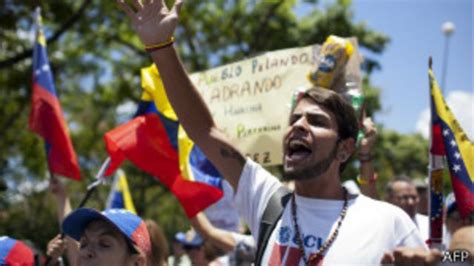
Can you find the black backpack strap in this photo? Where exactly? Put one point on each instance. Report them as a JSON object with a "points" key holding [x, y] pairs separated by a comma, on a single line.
{"points": [[270, 217]]}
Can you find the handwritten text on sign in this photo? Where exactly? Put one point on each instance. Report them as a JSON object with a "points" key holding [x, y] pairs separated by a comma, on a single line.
{"points": [[250, 100]]}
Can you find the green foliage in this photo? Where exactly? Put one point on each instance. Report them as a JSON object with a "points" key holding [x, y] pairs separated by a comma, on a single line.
{"points": [[399, 154], [96, 59], [372, 97], [33, 219], [409, 156], [227, 31]]}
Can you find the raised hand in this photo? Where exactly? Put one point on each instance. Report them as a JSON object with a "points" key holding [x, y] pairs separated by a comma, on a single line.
{"points": [[56, 247], [370, 135], [152, 20]]}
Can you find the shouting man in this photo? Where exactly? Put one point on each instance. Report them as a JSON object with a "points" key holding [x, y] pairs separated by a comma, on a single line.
{"points": [[322, 221]]}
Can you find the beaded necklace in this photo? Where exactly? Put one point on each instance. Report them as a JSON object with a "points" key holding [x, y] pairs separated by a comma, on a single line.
{"points": [[318, 255]]}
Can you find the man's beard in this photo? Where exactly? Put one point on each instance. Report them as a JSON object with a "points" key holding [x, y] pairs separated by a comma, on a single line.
{"points": [[312, 171]]}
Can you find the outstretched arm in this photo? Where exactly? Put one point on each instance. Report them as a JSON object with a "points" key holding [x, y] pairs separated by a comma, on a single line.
{"points": [[59, 244], [155, 24], [218, 237], [59, 192]]}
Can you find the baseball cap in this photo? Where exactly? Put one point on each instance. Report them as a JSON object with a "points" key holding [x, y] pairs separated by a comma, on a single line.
{"points": [[189, 239], [15, 252], [132, 227]]}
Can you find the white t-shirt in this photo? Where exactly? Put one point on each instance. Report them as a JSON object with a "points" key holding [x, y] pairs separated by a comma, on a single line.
{"points": [[422, 222], [369, 229]]}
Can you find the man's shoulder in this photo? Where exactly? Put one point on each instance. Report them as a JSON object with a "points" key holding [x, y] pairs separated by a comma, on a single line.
{"points": [[378, 207], [387, 217], [254, 174], [252, 167], [255, 188]]}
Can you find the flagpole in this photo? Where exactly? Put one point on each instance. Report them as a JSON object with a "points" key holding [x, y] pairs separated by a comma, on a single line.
{"points": [[37, 29], [37, 16], [50, 172], [435, 188], [99, 180]]}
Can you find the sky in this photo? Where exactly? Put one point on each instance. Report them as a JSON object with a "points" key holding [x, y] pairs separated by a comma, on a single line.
{"points": [[414, 28]]}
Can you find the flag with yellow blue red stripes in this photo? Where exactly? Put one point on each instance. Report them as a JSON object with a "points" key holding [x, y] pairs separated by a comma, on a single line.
{"points": [[46, 116], [156, 143], [450, 140]]}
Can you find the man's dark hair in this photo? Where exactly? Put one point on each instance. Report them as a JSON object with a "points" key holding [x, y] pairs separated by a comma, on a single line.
{"points": [[400, 178], [346, 118]]}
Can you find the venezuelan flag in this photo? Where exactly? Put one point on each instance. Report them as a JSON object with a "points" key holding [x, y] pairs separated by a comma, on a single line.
{"points": [[46, 117], [449, 139], [156, 143], [120, 197]]}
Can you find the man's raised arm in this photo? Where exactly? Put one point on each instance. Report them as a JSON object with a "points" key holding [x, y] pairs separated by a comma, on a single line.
{"points": [[155, 25]]}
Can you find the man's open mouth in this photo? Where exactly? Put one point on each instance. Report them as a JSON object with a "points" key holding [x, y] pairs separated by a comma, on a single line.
{"points": [[298, 150]]}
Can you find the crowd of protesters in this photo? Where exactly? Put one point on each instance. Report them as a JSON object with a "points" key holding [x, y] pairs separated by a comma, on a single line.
{"points": [[318, 220]]}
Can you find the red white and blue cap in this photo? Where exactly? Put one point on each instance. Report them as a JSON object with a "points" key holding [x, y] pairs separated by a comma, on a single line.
{"points": [[130, 225], [15, 252]]}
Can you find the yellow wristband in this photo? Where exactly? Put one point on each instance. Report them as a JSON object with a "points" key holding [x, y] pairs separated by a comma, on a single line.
{"points": [[154, 47], [362, 181], [366, 182]]}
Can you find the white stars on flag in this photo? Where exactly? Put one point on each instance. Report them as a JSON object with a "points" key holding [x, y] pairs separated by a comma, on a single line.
{"points": [[455, 160], [44, 68], [453, 143], [456, 168], [457, 155]]}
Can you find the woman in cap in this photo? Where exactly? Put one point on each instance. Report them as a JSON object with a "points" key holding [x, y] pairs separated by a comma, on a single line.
{"points": [[112, 237]]}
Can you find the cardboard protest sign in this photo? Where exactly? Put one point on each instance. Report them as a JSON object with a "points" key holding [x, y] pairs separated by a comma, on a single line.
{"points": [[250, 100]]}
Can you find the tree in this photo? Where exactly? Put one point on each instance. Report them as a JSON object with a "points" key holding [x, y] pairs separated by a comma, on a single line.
{"points": [[96, 60]]}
